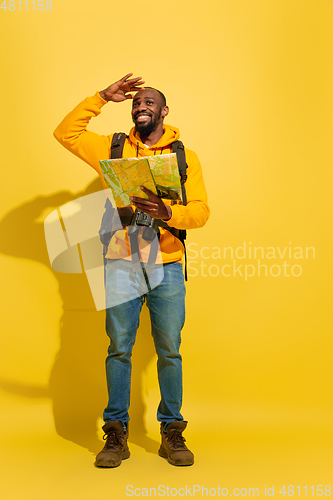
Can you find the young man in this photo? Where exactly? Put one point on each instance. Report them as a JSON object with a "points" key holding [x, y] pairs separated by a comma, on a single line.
{"points": [[166, 300]]}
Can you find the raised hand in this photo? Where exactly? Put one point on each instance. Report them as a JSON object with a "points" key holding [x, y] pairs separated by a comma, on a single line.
{"points": [[119, 91]]}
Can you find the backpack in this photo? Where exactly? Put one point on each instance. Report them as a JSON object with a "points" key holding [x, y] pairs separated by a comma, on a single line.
{"points": [[106, 230]]}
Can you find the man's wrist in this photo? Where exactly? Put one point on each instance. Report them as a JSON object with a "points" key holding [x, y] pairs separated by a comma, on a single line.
{"points": [[168, 208], [103, 95]]}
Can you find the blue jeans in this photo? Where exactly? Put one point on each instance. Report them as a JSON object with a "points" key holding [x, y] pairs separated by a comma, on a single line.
{"points": [[166, 304]]}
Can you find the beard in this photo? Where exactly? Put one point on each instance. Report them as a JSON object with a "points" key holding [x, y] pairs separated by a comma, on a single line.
{"points": [[145, 129]]}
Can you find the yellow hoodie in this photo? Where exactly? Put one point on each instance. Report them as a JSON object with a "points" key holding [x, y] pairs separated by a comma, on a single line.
{"points": [[72, 133]]}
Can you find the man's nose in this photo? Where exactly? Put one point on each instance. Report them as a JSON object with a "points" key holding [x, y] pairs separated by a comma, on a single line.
{"points": [[142, 106]]}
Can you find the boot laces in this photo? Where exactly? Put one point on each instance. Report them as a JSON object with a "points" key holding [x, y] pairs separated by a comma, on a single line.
{"points": [[177, 440], [113, 440]]}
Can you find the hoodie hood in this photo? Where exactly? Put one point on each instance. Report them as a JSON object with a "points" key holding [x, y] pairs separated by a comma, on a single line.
{"points": [[171, 134]]}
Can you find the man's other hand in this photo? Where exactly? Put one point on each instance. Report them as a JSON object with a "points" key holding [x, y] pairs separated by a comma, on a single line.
{"points": [[153, 207], [119, 91]]}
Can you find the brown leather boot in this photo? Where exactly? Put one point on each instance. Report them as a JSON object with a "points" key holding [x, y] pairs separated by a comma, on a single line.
{"points": [[115, 448], [173, 445]]}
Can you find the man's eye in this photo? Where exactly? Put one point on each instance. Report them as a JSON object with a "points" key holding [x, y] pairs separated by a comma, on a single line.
{"points": [[149, 102]]}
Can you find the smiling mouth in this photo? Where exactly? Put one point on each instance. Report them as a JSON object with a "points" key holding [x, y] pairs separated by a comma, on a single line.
{"points": [[142, 117]]}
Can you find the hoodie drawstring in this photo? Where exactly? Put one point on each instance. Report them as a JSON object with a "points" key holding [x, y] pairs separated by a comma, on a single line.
{"points": [[160, 152], [137, 150]]}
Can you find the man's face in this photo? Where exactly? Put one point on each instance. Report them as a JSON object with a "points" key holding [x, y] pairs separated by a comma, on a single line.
{"points": [[147, 111]]}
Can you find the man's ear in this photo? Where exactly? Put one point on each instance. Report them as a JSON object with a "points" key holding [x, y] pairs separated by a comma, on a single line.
{"points": [[165, 111]]}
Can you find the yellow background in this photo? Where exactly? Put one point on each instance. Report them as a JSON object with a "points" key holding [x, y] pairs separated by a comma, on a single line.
{"points": [[249, 84]]}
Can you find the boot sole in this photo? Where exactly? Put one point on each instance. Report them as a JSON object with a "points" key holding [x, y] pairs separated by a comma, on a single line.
{"points": [[163, 453], [109, 465]]}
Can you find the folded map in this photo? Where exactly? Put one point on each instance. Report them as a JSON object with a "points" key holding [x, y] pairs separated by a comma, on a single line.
{"points": [[159, 173]]}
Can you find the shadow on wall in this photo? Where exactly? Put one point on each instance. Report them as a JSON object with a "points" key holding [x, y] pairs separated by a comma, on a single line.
{"points": [[77, 385]]}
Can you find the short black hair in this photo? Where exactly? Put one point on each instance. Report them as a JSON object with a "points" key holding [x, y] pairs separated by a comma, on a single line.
{"points": [[161, 94]]}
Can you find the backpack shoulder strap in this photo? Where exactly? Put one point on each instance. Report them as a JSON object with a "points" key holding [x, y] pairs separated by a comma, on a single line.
{"points": [[117, 145], [178, 148], [105, 231]]}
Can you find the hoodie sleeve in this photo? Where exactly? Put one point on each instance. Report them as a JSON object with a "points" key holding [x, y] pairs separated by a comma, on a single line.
{"points": [[72, 133], [196, 213]]}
